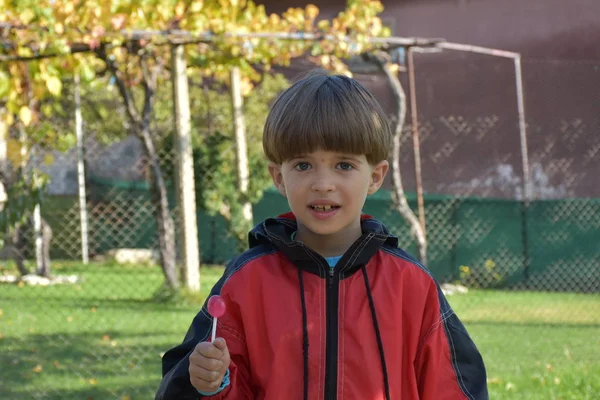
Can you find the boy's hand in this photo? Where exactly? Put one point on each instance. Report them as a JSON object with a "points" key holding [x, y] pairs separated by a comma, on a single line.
{"points": [[208, 365]]}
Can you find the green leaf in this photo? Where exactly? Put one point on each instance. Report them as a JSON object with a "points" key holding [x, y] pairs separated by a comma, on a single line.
{"points": [[87, 73]]}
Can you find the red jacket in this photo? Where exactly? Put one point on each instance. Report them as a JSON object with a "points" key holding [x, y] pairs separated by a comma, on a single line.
{"points": [[378, 327]]}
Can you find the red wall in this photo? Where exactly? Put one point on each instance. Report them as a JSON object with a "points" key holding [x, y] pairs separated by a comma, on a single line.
{"points": [[467, 102]]}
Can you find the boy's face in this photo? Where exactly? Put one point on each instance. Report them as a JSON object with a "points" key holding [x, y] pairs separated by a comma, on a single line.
{"points": [[326, 192]]}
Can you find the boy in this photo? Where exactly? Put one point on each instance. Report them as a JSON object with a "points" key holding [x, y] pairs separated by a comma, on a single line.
{"points": [[324, 305]]}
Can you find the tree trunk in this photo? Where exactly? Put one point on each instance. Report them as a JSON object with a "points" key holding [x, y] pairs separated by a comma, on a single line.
{"points": [[44, 268], [241, 147], [19, 244], [164, 220], [384, 62]]}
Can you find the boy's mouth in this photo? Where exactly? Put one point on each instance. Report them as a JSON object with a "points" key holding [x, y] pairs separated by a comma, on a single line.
{"points": [[324, 208], [324, 205]]}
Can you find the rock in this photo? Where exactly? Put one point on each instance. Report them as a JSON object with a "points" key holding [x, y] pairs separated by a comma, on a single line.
{"points": [[449, 289], [8, 279], [36, 280], [134, 256]]}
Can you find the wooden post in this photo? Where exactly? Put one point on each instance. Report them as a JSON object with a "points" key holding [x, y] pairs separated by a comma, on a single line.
{"points": [[83, 216], [416, 141], [3, 160], [186, 196], [240, 141]]}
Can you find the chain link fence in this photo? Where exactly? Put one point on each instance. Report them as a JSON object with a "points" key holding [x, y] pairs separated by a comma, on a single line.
{"points": [[102, 336]]}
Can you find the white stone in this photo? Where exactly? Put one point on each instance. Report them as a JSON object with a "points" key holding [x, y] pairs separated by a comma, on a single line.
{"points": [[36, 280], [134, 256], [449, 289]]}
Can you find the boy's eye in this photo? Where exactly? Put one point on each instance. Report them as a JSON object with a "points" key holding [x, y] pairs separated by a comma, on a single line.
{"points": [[302, 166], [344, 166]]}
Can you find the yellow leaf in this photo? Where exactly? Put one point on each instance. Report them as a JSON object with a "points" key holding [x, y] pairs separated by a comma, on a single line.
{"points": [[21, 284], [93, 309], [1, 312], [179, 9], [126, 397], [25, 115], [54, 85], [38, 368], [48, 159], [93, 381], [69, 319], [46, 110], [9, 119], [4, 84], [312, 11], [13, 147], [26, 16]]}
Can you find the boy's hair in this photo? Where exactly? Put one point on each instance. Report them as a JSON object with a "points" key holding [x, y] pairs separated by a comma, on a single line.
{"points": [[330, 113]]}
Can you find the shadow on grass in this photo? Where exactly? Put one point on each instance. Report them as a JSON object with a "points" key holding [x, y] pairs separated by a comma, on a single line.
{"points": [[133, 392], [80, 366]]}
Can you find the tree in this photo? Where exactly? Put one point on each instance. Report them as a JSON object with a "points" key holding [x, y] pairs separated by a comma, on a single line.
{"points": [[387, 66], [129, 40], [214, 154]]}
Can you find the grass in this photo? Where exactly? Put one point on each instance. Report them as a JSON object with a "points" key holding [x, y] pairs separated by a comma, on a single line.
{"points": [[536, 345], [103, 338]]}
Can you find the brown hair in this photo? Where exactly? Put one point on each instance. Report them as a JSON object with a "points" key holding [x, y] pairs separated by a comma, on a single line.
{"points": [[326, 112]]}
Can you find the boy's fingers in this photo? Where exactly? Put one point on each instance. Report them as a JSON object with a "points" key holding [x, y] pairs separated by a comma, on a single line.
{"points": [[209, 350], [220, 344], [205, 380], [206, 375]]}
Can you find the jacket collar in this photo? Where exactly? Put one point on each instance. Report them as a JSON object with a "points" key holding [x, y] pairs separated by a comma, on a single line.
{"points": [[278, 232]]}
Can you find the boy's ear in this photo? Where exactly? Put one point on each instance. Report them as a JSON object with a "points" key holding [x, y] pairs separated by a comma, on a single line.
{"points": [[377, 176], [275, 171]]}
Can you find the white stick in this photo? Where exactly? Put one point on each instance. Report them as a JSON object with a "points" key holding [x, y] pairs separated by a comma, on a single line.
{"points": [[214, 330]]}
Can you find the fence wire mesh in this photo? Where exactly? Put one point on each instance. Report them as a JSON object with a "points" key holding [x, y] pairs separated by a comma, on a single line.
{"points": [[102, 336]]}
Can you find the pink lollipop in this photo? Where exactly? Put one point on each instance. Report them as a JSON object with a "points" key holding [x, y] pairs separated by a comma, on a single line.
{"points": [[216, 308]]}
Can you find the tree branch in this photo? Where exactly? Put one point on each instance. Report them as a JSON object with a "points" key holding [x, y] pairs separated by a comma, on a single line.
{"points": [[125, 93], [149, 82], [384, 62], [75, 48]]}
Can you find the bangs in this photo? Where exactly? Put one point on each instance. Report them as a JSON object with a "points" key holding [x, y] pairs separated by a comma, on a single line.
{"points": [[330, 113]]}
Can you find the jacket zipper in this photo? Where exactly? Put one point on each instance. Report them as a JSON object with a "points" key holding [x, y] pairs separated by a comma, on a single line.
{"points": [[331, 338]]}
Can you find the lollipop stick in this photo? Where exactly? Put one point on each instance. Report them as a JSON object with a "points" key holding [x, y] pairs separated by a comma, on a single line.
{"points": [[214, 329]]}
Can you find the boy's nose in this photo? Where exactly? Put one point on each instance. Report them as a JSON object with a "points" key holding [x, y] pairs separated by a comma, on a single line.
{"points": [[323, 185]]}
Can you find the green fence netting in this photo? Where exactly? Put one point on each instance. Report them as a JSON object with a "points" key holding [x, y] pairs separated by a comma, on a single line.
{"points": [[545, 245]]}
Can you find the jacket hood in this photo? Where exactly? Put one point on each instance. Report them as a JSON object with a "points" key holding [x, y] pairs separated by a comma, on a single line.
{"points": [[278, 232]]}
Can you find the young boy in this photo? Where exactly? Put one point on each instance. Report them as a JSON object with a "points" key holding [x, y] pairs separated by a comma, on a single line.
{"points": [[324, 305]]}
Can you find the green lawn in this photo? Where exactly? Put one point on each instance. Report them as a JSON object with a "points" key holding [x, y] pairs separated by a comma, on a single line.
{"points": [[103, 339]]}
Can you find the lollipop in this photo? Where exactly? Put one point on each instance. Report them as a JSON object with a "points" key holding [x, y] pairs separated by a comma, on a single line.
{"points": [[216, 308]]}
